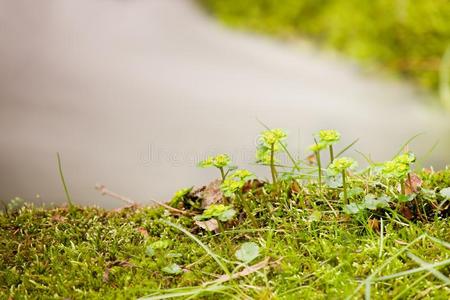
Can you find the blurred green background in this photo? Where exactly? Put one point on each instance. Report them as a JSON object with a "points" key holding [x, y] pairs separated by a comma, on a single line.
{"points": [[408, 38]]}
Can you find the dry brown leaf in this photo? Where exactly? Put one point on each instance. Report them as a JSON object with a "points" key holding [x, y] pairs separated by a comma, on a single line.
{"points": [[211, 194], [210, 225], [311, 159], [58, 218], [374, 224], [406, 212], [251, 185], [122, 263], [295, 187], [412, 184], [143, 231]]}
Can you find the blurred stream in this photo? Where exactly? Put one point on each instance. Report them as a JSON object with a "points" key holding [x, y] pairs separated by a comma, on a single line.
{"points": [[134, 93]]}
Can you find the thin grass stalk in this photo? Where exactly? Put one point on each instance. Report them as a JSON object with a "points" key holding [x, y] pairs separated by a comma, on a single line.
{"points": [[63, 181]]}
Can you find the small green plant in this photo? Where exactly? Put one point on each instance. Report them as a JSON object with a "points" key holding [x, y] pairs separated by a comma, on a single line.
{"points": [[220, 161], [232, 188], [328, 138], [316, 148], [399, 168], [324, 139], [341, 166], [269, 143], [222, 212]]}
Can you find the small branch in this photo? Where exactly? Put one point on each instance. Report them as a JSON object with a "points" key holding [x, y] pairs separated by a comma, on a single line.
{"points": [[168, 207], [104, 191], [245, 272]]}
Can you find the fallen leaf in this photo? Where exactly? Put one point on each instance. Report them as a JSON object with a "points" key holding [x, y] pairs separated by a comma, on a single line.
{"points": [[406, 212], [211, 194], [412, 184], [58, 218], [209, 225], [252, 185], [143, 231], [311, 159], [295, 187], [121, 263], [374, 224]]}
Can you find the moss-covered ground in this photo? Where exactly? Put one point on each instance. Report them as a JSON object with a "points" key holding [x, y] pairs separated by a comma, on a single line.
{"points": [[91, 253], [314, 231]]}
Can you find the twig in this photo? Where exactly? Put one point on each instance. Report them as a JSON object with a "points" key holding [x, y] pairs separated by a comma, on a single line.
{"points": [[168, 207], [247, 271], [104, 191]]}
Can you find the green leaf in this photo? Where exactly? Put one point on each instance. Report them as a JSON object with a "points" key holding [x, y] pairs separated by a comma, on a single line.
{"points": [[150, 251], [227, 215], [352, 192], [248, 252], [445, 192], [173, 255], [172, 269], [406, 198], [373, 203], [353, 208], [222, 212], [161, 244], [315, 216], [334, 181]]}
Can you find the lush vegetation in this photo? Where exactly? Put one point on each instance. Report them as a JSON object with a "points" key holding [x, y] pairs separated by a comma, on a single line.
{"points": [[319, 228], [408, 37]]}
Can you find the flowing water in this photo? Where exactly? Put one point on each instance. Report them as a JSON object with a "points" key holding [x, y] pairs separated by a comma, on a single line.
{"points": [[134, 93]]}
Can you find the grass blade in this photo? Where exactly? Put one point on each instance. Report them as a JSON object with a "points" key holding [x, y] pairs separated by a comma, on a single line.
{"points": [[346, 148], [61, 175], [201, 244]]}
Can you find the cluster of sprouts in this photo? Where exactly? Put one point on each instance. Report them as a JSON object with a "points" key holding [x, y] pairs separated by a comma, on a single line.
{"points": [[339, 169]]}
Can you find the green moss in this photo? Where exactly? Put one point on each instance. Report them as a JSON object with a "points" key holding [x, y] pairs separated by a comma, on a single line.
{"points": [[93, 253]]}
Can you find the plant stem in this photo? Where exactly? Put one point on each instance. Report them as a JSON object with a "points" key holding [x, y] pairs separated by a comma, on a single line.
{"points": [[66, 190], [402, 187], [344, 184], [222, 173], [319, 166], [272, 165], [247, 210], [331, 153]]}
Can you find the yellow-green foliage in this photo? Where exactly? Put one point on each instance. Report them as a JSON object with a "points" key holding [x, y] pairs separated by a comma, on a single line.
{"points": [[409, 37]]}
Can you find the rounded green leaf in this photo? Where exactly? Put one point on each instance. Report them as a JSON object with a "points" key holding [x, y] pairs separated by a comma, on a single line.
{"points": [[445, 192], [172, 269], [247, 252]]}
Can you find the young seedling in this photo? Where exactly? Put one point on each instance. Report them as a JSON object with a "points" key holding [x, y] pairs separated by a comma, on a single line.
{"points": [[232, 188], [220, 161], [316, 148], [219, 212], [329, 138], [269, 143], [399, 169], [341, 166]]}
